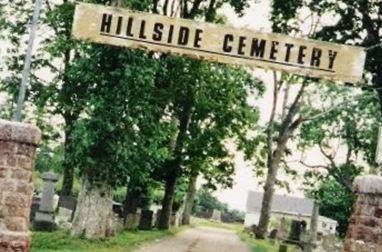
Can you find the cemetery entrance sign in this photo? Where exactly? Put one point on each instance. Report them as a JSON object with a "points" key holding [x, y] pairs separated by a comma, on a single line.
{"points": [[121, 27]]}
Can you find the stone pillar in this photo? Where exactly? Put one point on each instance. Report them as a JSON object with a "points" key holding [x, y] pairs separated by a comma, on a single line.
{"points": [[18, 143], [364, 232], [44, 220]]}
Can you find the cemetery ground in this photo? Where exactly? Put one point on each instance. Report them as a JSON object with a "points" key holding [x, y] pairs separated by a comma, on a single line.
{"points": [[60, 241], [124, 241]]}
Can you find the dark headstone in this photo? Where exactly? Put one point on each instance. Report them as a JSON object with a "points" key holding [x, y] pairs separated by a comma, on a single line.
{"points": [[283, 248], [273, 234], [34, 207], [158, 213], [145, 223], [118, 209], [296, 230], [68, 202]]}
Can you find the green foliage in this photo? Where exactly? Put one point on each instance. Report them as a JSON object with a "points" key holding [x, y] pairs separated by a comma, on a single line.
{"points": [[336, 202], [49, 159], [205, 203], [344, 116]]}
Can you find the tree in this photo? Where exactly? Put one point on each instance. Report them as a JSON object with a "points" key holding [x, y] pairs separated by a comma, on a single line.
{"points": [[359, 23], [336, 200], [198, 9], [209, 102], [120, 127]]}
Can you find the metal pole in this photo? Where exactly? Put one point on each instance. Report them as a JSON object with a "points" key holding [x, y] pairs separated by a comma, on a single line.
{"points": [[27, 63]]}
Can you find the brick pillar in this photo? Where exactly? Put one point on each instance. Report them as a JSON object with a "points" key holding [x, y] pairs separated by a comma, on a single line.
{"points": [[364, 233], [18, 143]]}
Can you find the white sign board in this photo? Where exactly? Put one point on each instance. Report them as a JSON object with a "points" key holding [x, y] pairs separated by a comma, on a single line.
{"points": [[121, 27]]}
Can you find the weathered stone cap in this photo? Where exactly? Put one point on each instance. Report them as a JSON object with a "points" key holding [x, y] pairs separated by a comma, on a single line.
{"points": [[368, 184], [19, 132]]}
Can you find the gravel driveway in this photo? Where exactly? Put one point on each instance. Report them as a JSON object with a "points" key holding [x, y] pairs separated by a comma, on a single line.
{"points": [[199, 239]]}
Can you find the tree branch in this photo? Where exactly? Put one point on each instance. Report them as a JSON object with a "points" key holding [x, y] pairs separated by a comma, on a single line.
{"points": [[272, 116], [314, 166]]}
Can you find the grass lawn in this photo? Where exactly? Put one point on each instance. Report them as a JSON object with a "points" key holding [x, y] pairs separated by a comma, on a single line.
{"points": [[208, 223], [261, 245], [60, 241]]}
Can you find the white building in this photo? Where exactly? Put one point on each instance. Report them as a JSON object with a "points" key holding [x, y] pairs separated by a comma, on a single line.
{"points": [[288, 207]]}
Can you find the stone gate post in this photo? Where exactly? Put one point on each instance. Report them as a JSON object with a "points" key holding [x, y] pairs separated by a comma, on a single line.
{"points": [[364, 233], [18, 143]]}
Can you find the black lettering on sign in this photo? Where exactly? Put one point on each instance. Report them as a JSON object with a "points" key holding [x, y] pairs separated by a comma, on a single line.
{"points": [[332, 57], [273, 50], [119, 25], [301, 55], [184, 34], [129, 27], [106, 22], [198, 38], [158, 31], [258, 48], [142, 30], [226, 47], [241, 45], [287, 53], [316, 57], [170, 33]]}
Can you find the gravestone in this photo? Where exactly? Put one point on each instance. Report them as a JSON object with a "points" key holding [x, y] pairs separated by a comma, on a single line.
{"points": [[282, 228], [44, 220], [295, 231], [64, 218], [273, 234], [18, 143], [68, 202], [118, 209], [132, 221], [145, 223], [34, 208], [157, 217], [216, 215], [174, 221], [283, 248]]}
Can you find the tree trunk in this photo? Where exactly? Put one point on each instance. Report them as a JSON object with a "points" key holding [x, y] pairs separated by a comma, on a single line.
{"points": [[94, 211], [267, 201], [174, 168], [288, 126], [189, 200], [67, 183], [165, 216]]}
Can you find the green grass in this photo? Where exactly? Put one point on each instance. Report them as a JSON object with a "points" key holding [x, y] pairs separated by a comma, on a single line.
{"points": [[60, 241], [261, 245], [208, 223]]}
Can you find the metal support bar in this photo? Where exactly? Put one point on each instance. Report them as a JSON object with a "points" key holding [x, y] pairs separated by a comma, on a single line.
{"points": [[27, 62]]}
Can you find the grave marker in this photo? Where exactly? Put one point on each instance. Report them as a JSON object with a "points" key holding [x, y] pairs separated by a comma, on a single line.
{"points": [[44, 219]]}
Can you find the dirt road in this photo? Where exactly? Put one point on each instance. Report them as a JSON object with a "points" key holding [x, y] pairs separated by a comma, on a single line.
{"points": [[199, 239]]}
